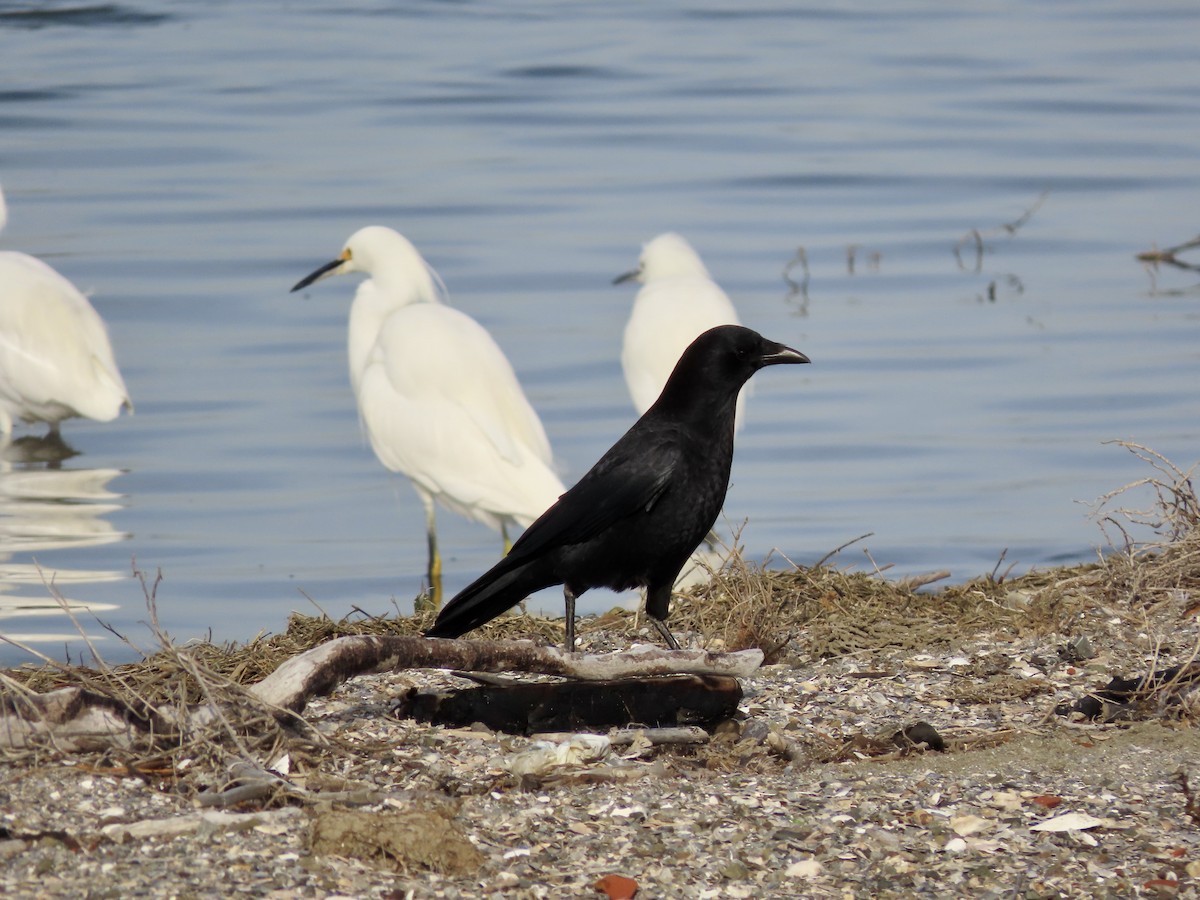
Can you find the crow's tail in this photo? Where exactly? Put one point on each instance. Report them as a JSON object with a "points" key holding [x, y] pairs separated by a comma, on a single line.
{"points": [[495, 591]]}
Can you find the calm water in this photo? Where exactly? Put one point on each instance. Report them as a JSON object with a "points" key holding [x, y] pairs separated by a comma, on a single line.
{"points": [[187, 163]]}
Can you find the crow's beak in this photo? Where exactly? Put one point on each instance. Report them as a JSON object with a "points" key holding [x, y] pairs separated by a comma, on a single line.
{"points": [[323, 272], [781, 354]]}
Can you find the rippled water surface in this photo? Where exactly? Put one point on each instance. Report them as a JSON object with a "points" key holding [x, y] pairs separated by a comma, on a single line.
{"points": [[969, 185]]}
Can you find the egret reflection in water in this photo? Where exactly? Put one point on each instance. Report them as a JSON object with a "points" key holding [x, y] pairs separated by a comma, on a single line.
{"points": [[46, 508]]}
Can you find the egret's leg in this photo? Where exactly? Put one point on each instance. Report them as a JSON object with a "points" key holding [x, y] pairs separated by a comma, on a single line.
{"points": [[432, 600], [435, 570], [569, 601]]}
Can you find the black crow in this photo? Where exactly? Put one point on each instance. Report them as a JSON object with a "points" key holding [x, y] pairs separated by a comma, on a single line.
{"points": [[635, 518]]}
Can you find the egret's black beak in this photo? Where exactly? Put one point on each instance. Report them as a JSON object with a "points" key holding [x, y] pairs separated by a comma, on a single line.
{"points": [[628, 276], [317, 275]]}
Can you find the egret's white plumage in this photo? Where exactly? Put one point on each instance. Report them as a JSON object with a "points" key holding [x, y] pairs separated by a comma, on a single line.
{"points": [[677, 302], [438, 398], [56, 361]]}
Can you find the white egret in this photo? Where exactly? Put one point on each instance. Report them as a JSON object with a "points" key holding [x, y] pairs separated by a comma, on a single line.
{"points": [[56, 361], [438, 398], [677, 302]]}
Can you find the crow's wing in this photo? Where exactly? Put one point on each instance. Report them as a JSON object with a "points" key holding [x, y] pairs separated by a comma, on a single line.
{"points": [[628, 480]]}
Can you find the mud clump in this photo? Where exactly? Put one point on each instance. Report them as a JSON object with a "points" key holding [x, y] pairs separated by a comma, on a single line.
{"points": [[400, 840]]}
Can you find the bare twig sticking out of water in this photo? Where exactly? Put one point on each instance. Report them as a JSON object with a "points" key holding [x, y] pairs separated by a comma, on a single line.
{"points": [[993, 289], [1152, 259], [873, 259], [971, 237], [797, 289], [1170, 256], [1015, 224], [976, 238]]}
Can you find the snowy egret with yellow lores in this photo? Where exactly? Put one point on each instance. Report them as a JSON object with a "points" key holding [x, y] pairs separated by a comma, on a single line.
{"points": [[677, 302], [438, 398]]}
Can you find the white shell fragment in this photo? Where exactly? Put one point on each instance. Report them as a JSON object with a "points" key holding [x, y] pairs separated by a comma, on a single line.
{"points": [[1072, 821]]}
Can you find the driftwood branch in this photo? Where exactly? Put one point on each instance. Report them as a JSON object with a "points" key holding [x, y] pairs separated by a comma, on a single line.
{"points": [[321, 669], [76, 718]]}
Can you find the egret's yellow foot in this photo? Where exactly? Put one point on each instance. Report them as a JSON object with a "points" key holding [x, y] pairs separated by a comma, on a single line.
{"points": [[431, 600]]}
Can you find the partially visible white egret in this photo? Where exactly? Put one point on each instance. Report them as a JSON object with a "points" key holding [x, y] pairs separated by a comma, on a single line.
{"points": [[678, 301], [56, 361], [438, 398]]}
